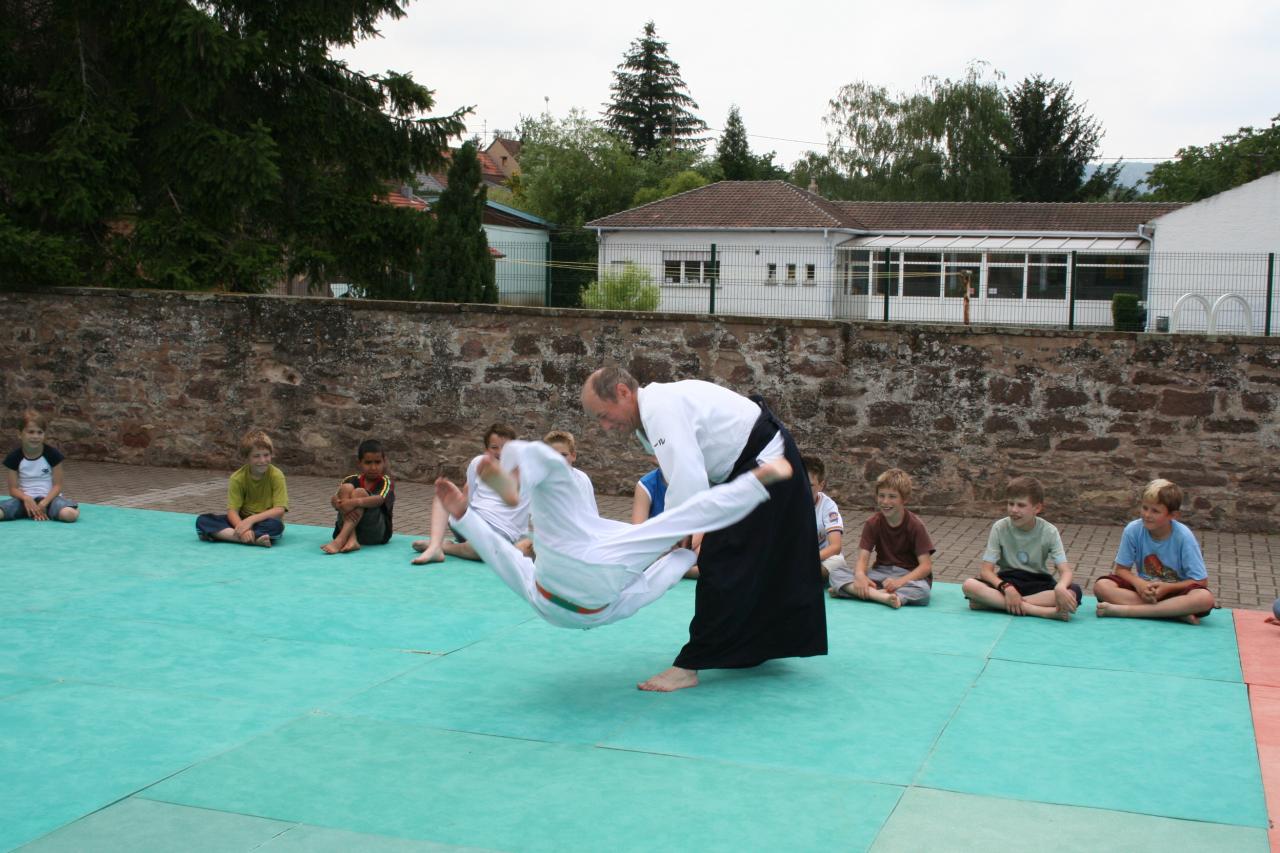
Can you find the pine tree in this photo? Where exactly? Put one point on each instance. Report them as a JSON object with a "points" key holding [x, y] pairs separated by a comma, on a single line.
{"points": [[1051, 142], [205, 145], [734, 153], [651, 105], [457, 266]]}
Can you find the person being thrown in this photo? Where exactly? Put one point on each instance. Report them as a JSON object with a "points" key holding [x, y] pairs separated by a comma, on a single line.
{"points": [[590, 571]]}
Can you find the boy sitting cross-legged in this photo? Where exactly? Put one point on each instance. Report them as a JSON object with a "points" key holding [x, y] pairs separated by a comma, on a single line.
{"points": [[257, 499], [903, 569], [1022, 552], [1159, 571]]}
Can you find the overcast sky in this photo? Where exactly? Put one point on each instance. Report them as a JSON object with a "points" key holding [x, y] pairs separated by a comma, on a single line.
{"points": [[1158, 75]]}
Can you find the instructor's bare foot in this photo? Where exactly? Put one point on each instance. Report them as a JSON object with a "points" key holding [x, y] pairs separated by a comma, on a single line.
{"points": [[774, 472], [671, 679]]}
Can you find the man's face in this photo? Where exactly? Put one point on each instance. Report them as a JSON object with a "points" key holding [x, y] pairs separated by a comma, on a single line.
{"points": [[620, 414]]}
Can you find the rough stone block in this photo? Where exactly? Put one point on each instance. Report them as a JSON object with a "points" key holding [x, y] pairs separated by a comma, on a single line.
{"points": [[1186, 403]]}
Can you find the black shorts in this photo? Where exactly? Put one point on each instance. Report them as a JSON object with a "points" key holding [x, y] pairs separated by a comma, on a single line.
{"points": [[1029, 583]]}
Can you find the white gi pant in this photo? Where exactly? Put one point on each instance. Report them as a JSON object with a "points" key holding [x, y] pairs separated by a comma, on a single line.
{"points": [[591, 563]]}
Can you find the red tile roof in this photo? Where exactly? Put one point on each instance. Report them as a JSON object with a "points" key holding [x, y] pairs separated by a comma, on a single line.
{"points": [[396, 199], [777, 204], [732, 204]]}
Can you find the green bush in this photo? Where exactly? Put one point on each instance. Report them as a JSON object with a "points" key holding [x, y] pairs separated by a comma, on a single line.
{"points": [[632, 289], [1126, 314]]}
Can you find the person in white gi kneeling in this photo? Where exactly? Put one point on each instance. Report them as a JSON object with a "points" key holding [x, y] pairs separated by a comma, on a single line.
{"points": [[590, 571]]}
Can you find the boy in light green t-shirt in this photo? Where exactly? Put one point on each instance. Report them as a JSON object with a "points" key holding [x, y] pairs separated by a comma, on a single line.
{"points": [[257, 499], [1023, 550]]}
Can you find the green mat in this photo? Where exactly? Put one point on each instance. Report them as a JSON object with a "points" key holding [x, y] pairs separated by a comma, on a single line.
{"points": [[161, 693]]}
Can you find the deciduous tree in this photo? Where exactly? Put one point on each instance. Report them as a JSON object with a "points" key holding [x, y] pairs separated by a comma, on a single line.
{"points": [[1199, 172]]}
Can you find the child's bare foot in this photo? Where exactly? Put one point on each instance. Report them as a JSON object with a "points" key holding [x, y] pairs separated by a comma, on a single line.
{"points": [[892, 601], [352, 545], [264, 541], [1190, 619], [671, 679], [421, 544], [773, 472], [1271, 620], [330, 547], [1062, 615], [450, 496], [428, 557], [1106, 608], [973, 605]]}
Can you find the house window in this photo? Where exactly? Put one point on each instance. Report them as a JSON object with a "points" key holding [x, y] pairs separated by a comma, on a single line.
{"points": [[773, 274], [922, 274], [810, 273], [887, 272], [1006, 275], [857, 274], [1103, 276], [954, 265], [791, 273], [692, 267], [1047, 277]]}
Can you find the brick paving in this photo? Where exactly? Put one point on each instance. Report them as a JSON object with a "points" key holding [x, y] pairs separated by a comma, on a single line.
{"points": [[1244, 568]]}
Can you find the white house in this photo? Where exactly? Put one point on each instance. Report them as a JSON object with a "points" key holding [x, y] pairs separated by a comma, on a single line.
{"points": [[1219, 253], [767, 247]]}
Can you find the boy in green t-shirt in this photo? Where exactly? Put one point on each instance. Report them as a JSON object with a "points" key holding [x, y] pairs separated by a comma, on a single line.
{"points": [[1023, 550], [257, 499]]}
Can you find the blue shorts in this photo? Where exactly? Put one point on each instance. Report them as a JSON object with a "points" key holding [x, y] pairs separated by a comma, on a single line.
{"points": [[12, 508], [210, 523]]}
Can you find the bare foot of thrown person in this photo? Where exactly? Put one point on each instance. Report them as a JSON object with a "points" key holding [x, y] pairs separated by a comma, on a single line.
{"points": [[499, 480], [670, 680]]}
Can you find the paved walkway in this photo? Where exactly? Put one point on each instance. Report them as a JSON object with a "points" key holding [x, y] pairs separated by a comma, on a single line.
{"points": [[1244, 568]]}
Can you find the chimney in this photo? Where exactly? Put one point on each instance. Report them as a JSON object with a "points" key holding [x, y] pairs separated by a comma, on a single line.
{"points": [[813, 186]]}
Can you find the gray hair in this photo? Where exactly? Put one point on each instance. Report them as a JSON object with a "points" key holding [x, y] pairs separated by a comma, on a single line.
{"points": [[605, 381]]}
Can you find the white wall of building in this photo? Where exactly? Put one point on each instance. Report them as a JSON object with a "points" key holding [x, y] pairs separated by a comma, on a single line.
{"points": [[1217, 247], [521, 275]]}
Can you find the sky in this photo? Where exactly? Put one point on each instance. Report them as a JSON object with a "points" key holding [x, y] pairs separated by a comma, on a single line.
{"points": [[1158, 75]]}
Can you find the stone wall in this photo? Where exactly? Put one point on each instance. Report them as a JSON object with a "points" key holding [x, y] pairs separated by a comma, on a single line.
{"points": [[173, 379]]}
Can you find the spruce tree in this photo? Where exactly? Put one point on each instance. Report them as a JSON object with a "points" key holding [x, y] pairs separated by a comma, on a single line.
{"points": [[457, 266], [651, 107], [733, 152], [1051, 142], [205, 145]]}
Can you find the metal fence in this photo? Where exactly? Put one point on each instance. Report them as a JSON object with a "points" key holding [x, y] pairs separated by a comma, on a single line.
{"points": [[1226, 293]]}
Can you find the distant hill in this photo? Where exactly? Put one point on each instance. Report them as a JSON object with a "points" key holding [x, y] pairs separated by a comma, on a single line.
{"points": [[1131, 174]]}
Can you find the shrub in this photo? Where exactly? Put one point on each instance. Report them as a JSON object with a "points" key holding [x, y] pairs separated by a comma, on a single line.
{"points": [[1126, 314], [632, 289]]}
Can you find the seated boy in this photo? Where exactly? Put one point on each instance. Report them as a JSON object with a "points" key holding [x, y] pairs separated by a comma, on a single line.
{"points": [[830, 522], [364, 502], [257, 499], [34, 477], [1022, 552], [902, 571], [510, 522], [589, 570], [562, 442], [650, 499], [1159, 571]]}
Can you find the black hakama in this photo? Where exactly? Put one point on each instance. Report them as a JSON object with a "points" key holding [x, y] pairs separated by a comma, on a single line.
{"points": [[760, 591]]}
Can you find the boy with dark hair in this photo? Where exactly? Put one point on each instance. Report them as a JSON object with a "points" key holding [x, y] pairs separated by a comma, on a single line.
{"points": [[257, 499], [827, 515], [510, 522], [1022, 553], [357, 497], [1159, 571], [902, 571]]}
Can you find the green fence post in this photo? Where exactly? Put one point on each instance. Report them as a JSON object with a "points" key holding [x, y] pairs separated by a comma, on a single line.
{"points": [[713, 273], [546, 274], [1271, 286], [1071, 289], [888, 271]]}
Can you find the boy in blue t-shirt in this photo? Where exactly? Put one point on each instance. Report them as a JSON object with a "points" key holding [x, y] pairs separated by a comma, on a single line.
{"points": [[1159, 571]]}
